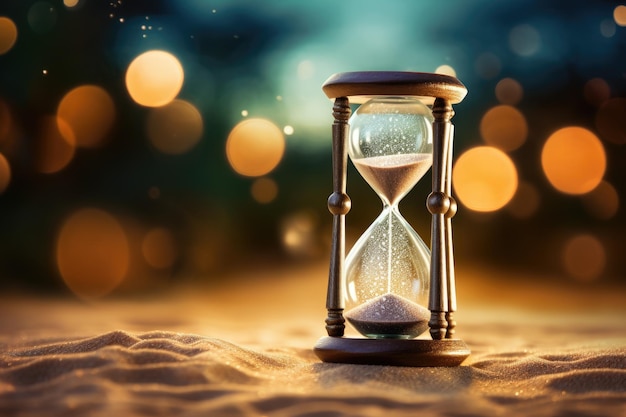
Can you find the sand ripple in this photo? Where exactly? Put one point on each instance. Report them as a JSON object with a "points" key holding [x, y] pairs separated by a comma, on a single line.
{"points": [[169, 373]]}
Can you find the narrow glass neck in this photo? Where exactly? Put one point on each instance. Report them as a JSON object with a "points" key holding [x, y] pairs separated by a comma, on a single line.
{"points": [[387, 205]]}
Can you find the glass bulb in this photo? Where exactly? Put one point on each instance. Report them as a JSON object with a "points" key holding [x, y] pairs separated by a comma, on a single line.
{"points": [[393, 133], [387, 270]]}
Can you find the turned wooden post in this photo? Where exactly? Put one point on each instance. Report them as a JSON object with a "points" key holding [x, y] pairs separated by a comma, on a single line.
{"points": [[339, 205], [439, 204], [450, 330]]}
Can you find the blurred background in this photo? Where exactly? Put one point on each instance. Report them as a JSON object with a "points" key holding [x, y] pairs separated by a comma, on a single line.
{"points": [[149, 143]]}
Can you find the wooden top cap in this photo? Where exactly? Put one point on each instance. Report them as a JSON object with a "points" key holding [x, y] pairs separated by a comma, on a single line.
{"points": [[365, 84]]}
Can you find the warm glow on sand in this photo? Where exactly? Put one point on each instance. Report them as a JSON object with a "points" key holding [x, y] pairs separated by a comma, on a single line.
{"points": [[610, 121], [154, 78], [584, 257], [5, 173], [484, 179], [573, 160], [509, 91], [602, 202], [504, 127], [55, 147], [596, 91], [159, 248], [90, 113], [92, 253], [619, 15], [264, 190], [175, 128], [255, 147], [8, 34]]}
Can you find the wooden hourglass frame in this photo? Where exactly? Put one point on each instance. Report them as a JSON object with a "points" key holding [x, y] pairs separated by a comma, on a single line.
{"points": [[443, 349]]}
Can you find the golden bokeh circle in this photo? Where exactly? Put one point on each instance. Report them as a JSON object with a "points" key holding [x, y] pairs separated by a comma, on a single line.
{"points": [[596, 91], [573, 160], [264, 190], [175, 128], [446, 70], [55, 146], [8, 34], [5, 174], [154, 78], [92, 253], [584, 257], [159, 248], [602, 202], [619, 15], [504, 127], [484, 178], [525, 202], [90, 113], [509, 91], [255, 147]]}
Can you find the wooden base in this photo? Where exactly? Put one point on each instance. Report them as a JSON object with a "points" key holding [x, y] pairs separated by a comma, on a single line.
{"points": [[397, 352]]}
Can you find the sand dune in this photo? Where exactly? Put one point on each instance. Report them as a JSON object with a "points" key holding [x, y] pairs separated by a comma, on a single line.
{"points": [[211, 358]]}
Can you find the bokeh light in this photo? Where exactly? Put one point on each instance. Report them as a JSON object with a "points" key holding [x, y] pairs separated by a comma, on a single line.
{"points": [[92, 253], [602, 202], [584, 257], [42, 17], [154, 78], [619, 15], [90, 113], [608, 28], [5, 174], [484, 178], [175, 128], [71, 3], [509, 91], [525, 202], [504, 127], [596, 91], [610, 121], [446, 70], [55, 146], [573, 160], [299, 234], [8, 34], [264, 190], [524, 40], [255, 147], [159, 248]]}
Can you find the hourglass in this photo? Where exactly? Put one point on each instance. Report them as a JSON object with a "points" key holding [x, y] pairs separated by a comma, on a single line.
{"points": [[391, 288]]}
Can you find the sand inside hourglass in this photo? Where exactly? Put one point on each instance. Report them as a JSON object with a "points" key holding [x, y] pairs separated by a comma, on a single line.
{"points": [[389, 316], [392, 176]]}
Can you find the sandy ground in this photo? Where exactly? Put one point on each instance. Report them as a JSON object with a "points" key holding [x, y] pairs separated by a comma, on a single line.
{"points": [[244, 349]]}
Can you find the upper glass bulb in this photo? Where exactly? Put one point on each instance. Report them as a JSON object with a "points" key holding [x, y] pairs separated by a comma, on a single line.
{"points": [[391, 144]]}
